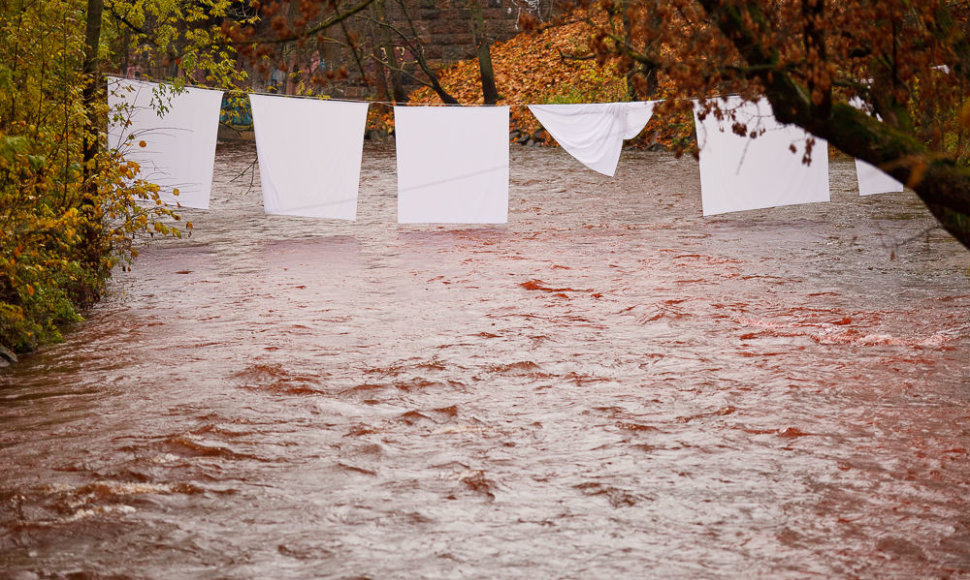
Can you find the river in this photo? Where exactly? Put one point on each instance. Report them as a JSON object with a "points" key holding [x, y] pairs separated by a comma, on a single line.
{"points": [[610, 386]]}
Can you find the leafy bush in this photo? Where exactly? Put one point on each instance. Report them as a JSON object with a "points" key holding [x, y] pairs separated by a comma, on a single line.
{"points": [[64, 223]]}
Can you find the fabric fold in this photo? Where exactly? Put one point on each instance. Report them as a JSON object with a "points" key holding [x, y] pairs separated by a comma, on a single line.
{"points": [[452, 164], [176, 150], [594, 133], [742, 173], [310, 153]]}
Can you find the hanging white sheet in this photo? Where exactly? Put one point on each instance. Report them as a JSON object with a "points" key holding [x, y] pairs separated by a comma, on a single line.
{"points": [[452, 164], [179, 147], [872, 180], [740, 173], [309, 153], [594, 133]]}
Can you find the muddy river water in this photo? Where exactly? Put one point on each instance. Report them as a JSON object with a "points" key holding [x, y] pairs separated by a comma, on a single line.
{"points": [[610, 386]]}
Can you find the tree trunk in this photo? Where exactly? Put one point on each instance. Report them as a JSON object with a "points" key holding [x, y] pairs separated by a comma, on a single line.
{"points": [[374, 32], [436, 84], [92, 82], [482, 46], [92, 247], [393, 69]]}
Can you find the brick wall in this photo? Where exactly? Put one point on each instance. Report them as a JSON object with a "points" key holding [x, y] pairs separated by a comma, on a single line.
{"points": [[445, 26]]}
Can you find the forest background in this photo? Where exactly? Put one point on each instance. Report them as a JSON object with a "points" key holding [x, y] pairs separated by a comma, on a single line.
{"points": [[71, 210]]}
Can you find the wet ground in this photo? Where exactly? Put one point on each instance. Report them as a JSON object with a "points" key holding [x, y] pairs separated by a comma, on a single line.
{"points": [[611, 386]]}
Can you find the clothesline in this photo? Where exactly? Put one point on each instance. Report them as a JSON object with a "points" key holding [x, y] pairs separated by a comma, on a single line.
{"points": [[452, 162], [368, 101]]}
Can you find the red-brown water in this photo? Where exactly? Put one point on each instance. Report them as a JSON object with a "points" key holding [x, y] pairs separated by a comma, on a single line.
{"points": [[609, 387]]}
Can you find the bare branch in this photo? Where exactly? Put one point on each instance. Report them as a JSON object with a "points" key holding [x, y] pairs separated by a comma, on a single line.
{"points": [[333, 20]]}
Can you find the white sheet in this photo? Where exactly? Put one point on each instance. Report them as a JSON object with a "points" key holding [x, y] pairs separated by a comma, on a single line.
{"points": [[452, 164], [594, 133], [872, 180], [309, 153], [180, 147], [739, 173]]}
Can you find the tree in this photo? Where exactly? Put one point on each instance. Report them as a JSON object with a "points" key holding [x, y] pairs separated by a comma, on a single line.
{"points": [[386, 40], [482, 52], [68, 210], [174, 40], [387, 57], [411, 39], [907, 62]]}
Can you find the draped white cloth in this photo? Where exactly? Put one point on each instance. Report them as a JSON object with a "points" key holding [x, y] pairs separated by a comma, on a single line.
{"points": [[872, 180], [179, 146], [740, 173], [594, 133], [310, 153], [452, 164]]}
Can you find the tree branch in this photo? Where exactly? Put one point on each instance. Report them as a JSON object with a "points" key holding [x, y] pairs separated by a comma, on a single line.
{"points": [[942, 185], [398, 69], [122, 19], [418, 52], [335, 19]]}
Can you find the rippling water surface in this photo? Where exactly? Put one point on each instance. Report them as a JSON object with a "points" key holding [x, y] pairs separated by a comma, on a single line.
{"points": [[611, 386]]}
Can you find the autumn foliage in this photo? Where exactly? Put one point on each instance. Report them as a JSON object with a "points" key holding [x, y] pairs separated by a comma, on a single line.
{"points": [[885, 81], [64, 223], [904, 65], [556, 63]]}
